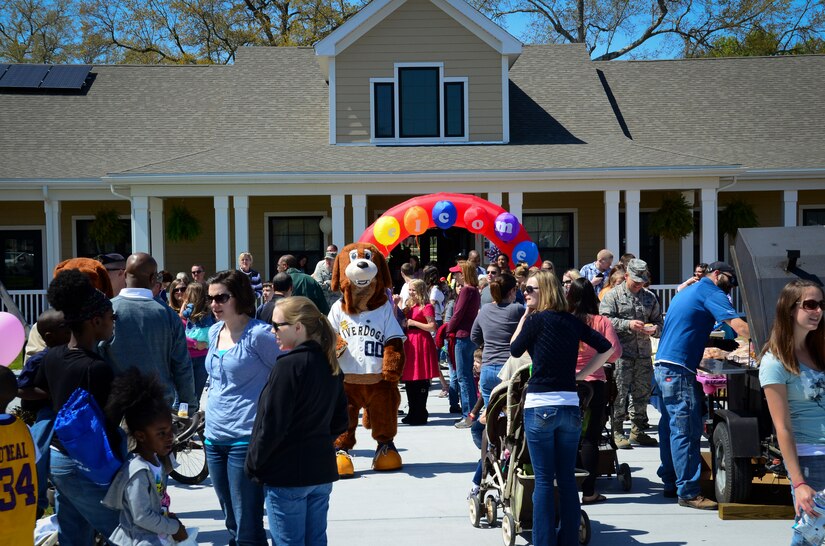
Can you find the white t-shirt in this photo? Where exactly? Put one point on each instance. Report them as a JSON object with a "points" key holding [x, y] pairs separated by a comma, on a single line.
{"points": [[365, 335], [437, 296], [404, 294]]}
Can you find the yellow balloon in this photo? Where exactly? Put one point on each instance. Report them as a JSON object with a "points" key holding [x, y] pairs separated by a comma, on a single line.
{"points": [[386, 230]]}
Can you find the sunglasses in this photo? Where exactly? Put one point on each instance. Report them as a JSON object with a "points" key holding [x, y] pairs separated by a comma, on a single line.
{"points": [[220, 298], [277, 325], [179, 290], [812, 305], [197, 271], [492, 272], [530, 289]]}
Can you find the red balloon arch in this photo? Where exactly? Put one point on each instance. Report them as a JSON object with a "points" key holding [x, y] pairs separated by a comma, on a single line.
{"points": [[446, 210]]}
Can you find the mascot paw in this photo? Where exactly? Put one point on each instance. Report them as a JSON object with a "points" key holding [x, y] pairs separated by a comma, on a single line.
{"points": [[386, 458], [345, 466], [391, 377]]}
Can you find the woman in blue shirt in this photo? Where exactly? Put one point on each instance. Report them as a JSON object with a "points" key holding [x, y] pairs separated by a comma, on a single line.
{"points": [[792, 373], [552, 419], [242, 351]]}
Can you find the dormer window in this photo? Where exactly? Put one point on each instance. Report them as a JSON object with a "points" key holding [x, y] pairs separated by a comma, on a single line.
{"points": [[419, 105]]}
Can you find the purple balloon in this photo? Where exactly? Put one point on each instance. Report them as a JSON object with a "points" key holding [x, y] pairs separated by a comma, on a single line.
{"points": [[507, 226], [13, 336]]}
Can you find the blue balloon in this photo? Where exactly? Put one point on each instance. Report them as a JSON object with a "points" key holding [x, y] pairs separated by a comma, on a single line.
{"points": [[444, 214], [527, 252]]}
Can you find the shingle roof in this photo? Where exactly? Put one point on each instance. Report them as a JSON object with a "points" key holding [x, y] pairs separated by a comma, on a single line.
{"points": [[268, 113], [760, 112]]}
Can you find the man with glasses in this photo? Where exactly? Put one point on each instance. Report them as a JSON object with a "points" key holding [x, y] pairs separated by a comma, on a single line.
{"points": [[115, 265], [148, 335], [198, 273], [492, 272], [690, 319]]}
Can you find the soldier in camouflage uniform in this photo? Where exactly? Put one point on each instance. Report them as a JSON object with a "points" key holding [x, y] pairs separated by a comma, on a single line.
{"points": [[630, 306]]}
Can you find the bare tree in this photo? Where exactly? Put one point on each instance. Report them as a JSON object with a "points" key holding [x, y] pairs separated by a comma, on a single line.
{"points": [[37, 31]]}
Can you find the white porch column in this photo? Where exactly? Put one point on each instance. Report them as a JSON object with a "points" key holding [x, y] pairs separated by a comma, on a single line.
{"points": [[140, 224], [789, 212], [51, 207], [631, 221], [710, 225], [222, 259], [359, 217], [241, 206], [611, 221], [494, 198], [339, 235], [516, 201], [687, 243], [157, 231]]}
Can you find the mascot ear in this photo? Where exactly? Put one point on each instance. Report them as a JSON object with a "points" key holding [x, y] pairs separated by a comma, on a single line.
{"points": [[334, 283]]}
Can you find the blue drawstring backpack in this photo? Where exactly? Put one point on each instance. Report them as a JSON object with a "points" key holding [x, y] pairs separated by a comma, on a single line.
{"points": [[80, 427]]}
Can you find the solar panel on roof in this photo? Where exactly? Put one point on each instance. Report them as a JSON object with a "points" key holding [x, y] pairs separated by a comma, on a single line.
{"points": [[26, 76], [3, 68], [66, 77]]}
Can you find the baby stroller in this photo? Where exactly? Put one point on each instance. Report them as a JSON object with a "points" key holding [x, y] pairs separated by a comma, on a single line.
{"points": [[608, 458], [507, 478]]}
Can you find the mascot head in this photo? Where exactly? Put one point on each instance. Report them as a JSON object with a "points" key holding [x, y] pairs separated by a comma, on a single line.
{"points": [[361, 274]]}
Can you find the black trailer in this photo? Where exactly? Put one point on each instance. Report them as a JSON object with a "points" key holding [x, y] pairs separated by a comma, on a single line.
{"points": [[742, 439]]}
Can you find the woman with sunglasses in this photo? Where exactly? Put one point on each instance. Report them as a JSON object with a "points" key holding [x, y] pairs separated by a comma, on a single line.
{"points": [[242, 352], [177, 290], [552, 419], [197, 319], [301, 410], [792, 373]]}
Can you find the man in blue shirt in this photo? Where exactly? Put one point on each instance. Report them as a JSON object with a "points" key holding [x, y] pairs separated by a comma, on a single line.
{"points": [[596, 272], [688, 324]]}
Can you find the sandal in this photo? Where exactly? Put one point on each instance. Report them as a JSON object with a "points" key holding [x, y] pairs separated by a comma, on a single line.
{"points": [[444, 394], [595, 500]]}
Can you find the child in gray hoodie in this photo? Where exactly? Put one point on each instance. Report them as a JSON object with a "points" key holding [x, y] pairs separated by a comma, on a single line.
{"points": [[138, 490]]}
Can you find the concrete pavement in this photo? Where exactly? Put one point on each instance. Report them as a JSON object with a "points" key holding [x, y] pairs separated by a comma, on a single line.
{"points": [[424, 503]]}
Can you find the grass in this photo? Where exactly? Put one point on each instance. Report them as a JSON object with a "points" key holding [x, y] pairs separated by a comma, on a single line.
{"points": [[17, 363]]}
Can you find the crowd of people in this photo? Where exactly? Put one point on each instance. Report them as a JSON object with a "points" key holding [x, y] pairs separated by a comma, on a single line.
{"points": [[142, 342]]}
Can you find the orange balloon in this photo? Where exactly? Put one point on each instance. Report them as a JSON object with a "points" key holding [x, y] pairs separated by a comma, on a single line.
{"points": [[416, 220]]}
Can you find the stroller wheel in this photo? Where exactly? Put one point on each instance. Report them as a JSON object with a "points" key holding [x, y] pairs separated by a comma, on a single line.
{"points": [[508, 529], [475, 511], [624, 477], [491, 510], [584, 528]]}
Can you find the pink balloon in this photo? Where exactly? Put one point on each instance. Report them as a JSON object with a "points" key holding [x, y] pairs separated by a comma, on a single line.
{"points": [[12, 338]]}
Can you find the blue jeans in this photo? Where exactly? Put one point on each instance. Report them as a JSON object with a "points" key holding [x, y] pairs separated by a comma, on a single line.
{"points": [[77, 503], [464, 349], [813, 470], [242, 500], [489, 380], [42, 431], [298, 515], [553, 440], [680, 429], [199, 374]]}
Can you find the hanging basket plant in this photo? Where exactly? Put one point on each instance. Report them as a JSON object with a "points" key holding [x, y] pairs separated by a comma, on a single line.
{"points": [[182, 225], [738, 214], [106, 229], [674, 219]]}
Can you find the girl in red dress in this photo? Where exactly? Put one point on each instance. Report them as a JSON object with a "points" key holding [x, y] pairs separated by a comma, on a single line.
{"points": [[421, 357]]}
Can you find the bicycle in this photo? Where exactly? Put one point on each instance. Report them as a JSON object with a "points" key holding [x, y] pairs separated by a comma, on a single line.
{"points": [[188, 449]]}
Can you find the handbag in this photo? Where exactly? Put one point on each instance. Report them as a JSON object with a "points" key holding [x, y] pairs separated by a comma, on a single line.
{"points": [[80, 427]]}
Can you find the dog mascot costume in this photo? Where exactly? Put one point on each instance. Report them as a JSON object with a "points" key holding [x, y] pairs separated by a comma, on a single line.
{"points": [[373, 358]]}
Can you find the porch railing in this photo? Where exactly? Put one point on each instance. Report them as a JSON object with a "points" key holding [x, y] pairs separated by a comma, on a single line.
{"points": [[33, 302]]}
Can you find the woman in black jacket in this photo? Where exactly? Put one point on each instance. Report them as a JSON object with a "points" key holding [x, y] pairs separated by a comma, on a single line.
{"points": [[301, 411]]}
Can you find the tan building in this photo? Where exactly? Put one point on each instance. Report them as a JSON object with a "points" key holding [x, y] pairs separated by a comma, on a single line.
{"points": [[293, 148]]}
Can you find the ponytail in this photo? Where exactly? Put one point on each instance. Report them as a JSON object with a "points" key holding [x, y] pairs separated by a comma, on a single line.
{"points": [[500, 287], [300, 309]]}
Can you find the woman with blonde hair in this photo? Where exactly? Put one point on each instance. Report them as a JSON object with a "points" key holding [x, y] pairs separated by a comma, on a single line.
{"points": [[792, 374], [421, 363], [302, 409], [177, 289], [552, 419], [461, 323]]}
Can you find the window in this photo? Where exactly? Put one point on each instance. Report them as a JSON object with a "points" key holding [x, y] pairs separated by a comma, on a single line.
{"points": [[553, 234], [22, 267], [419, 103], [813, 217], [296, 235], [85, 247], [650, 246]]}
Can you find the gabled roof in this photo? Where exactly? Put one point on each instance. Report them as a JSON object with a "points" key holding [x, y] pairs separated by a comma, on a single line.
{"points": [[377, 10]]}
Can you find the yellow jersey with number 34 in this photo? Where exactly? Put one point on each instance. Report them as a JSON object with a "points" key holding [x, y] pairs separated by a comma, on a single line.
{"points": [[18, 482]]}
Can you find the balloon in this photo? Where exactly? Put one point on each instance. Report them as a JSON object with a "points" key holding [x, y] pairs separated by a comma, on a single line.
{"points": [[387, 230], [527, 252], [476, 219], [416, 221], [13, 336], [507, 226], [444, 214]]}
